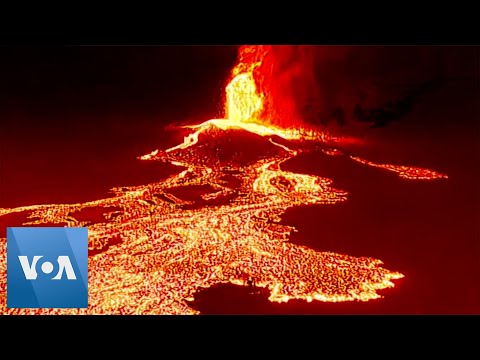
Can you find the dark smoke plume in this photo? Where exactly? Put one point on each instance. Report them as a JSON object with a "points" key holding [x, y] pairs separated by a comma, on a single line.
{"points": [[333, 86]]}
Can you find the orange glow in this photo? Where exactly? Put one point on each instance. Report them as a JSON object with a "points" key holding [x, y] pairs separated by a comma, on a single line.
{"points": [[405, 172], [155, 248], [244, 106], [167, 253]]}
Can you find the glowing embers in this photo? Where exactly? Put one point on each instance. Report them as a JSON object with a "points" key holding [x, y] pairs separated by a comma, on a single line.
{"points": [[405, 172], [332, 152]]}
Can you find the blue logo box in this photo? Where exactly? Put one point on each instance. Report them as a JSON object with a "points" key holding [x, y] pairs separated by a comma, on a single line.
{"points": [[47, 267]]}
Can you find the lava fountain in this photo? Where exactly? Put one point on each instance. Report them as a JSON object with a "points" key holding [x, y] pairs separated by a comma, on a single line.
{"points": [[153, 247]]}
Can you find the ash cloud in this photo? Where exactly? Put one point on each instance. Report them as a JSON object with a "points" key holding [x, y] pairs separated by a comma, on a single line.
{"points": [[331, 86]]}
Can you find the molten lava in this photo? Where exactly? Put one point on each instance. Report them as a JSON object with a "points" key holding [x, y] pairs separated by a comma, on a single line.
{"points": [[154, 249], [243, 101], [405, 172]]}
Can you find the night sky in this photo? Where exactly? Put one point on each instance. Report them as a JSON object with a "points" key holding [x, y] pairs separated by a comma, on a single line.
{"points": [[74, 87]]}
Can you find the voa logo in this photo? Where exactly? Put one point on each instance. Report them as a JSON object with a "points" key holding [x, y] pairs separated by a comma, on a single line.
{"points": [[47, 267], [64, 265]]}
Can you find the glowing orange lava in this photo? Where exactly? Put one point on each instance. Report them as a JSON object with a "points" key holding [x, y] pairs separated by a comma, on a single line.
{"points": [[405, 172], [155, 247]]}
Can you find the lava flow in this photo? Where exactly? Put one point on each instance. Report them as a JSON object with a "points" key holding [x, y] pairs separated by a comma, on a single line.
{"points": [[405, 172], [155, 247]]}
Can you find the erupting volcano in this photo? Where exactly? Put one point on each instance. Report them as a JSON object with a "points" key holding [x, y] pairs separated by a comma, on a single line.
{"points": [[219, 219]]}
